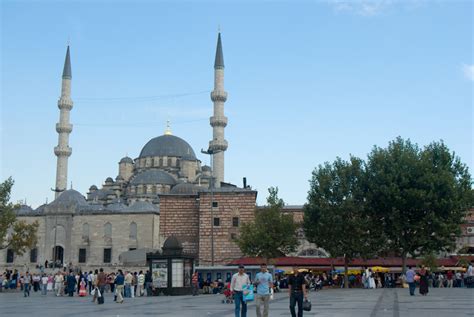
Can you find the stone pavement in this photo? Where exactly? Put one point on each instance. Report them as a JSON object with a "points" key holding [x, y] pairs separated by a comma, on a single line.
{"points": [[443, 302]]}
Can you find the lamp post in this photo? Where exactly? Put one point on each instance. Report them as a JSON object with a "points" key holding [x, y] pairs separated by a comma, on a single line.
{"points": [[211, 153]]}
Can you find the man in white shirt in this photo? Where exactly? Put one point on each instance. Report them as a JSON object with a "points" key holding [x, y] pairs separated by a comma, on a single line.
{"points": [[237, 283]]}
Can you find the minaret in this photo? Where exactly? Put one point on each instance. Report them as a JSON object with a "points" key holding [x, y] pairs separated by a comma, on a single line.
{"points": [[64, 128], [218, 144]]}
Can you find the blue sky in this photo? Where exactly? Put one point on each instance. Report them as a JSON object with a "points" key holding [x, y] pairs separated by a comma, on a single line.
{"points": [[307, 80]]}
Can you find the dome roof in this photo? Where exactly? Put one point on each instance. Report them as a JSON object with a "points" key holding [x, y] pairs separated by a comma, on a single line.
{"points": [[168, 145], [24, 210], [140, 206], [185, 189], [206, 168], [93, 187], [109, 180], [70, 197], [153, 177], [126, 159], [172, 243]]}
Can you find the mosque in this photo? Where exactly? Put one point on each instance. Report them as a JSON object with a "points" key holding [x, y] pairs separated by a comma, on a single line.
{"points": [[164, 192]]}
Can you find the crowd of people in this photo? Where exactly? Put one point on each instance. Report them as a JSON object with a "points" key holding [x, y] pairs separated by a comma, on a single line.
{"points": [[67, 282]]}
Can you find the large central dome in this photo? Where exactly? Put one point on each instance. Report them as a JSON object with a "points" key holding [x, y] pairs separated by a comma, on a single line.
{"points": [[168, 145]]}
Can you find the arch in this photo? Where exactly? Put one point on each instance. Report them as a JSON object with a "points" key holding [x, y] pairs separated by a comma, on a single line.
{"points": [[133, 231], [108, 230]]}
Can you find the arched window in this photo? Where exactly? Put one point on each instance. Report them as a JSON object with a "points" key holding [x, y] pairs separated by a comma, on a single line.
{"points": [[133, 231], [169, 161], [161, 161], [108, 230], [85, 231]]}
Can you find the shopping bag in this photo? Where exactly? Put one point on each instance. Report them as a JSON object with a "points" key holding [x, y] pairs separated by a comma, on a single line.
{"points": [[307, 305], [248, 293], [93, 291]]}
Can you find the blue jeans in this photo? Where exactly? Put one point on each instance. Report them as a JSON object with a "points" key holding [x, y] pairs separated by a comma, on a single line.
{"points": [[26, 289], [239, 299], [44, 289], [127, 292], [412, 287], [296, 298]]}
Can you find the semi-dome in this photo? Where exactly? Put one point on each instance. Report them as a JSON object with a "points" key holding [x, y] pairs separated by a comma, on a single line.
{"points": [[70, 197], [153, 177], [168, 145], [172, 243], [126, 159], [184, 189]]}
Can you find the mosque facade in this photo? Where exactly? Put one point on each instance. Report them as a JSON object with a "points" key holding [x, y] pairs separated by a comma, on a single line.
{"points": [[164, 192]]}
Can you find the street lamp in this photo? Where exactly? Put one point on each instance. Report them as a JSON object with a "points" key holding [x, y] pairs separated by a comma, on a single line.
{"points": [[211, 153]]}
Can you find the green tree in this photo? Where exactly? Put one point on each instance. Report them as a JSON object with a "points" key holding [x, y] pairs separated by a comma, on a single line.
{"points": [[14, 234], [272, 233], [418, 196], [335, 218], [429, 260]]}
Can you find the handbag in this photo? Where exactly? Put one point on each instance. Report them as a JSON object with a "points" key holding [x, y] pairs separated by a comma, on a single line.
{"points": [[307, 305], [248, 293]]}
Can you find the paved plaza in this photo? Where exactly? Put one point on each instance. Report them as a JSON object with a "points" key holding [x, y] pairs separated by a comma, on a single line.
{"points": [[328, 303]]}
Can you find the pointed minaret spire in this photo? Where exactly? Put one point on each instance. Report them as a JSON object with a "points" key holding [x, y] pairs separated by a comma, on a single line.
{"points": [[67, 74], [219, 61], [64, 128], [218, 145]]}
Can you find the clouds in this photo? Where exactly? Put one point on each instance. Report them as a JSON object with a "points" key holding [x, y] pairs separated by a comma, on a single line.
{"points": [[370, 8], [468, 71]]}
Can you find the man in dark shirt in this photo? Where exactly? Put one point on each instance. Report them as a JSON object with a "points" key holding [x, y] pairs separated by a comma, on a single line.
{"points": [[297, 291]]}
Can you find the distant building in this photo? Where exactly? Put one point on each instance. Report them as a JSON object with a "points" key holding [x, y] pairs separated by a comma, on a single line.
{"points": [[163, 192]]}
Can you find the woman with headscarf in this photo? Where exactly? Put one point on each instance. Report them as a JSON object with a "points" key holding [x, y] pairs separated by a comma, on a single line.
{"points": [[423, 281]]}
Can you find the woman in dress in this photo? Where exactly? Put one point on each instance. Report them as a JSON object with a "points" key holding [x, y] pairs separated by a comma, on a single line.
{"points": [[50, 283], [423, 281], [371, 279], [82, 288]]}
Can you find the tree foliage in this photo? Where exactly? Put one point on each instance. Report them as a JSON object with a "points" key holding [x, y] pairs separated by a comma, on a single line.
{"points": [[14, 234], [272, 233], [419, 197], [335, 216]]}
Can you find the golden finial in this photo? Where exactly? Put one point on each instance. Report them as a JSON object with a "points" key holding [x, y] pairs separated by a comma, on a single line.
{"points": [[168, 128]]}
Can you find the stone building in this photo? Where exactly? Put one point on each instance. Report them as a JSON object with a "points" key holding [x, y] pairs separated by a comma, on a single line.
{"points": [[163, 192]]}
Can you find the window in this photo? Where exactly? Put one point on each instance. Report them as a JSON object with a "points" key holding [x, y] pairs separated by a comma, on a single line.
{"points": [[233, 236], [235, 221], [217, 222], [131, 249], [82, 255], [10, 256], [34, 255], [177, 273], [107, 255], [161, 161], [108, 230], [85, 231], [215, 204], [169, 161], [133, 231]]}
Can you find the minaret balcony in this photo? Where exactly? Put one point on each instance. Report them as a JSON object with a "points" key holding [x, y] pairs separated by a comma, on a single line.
{"points": [[218, 121], [64, 127], [218, 145], [218, 95], [62, 151], [65, 103]]}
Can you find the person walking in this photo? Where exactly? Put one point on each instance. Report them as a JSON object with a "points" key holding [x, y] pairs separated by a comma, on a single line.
{"points": [[410, 279], [101, 283], [264, 282], [148, 283], [195, 283], [423, 281], [119, 284], [26, 284], [297, 291], [58, 283], [71, 283], [128, 284], [141, 284], [238, 281], [44, 284]]}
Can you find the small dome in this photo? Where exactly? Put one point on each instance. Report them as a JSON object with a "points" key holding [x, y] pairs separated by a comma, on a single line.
{"points": [[70, 197], [127, 160], [206, 168], [24, 210], [168, 145], [185, 189], [109, 180], [172, 243], [153, 177], [101, 194], [40, 209], [119, 178], [92, 188], [141, 206]]}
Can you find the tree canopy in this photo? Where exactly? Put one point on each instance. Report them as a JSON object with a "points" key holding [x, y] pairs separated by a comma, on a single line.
{"points": [[15, 234], [272, 233]]}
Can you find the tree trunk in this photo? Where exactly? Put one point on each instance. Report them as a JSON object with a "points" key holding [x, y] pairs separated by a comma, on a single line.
{"points": [[404, 262], [346, 276]]}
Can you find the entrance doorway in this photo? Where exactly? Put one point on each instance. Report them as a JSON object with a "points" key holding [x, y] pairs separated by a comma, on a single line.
{"points": [[58, 256]]}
